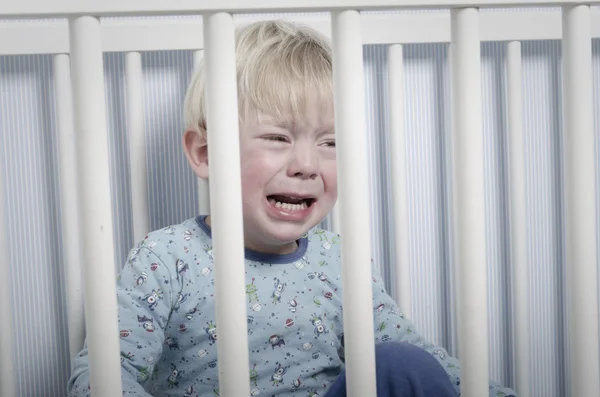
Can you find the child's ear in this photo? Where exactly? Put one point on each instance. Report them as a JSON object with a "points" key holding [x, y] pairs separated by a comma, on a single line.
{"points": [[196, 151]]}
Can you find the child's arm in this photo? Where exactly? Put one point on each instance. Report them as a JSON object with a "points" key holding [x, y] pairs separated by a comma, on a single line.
{"points": [[390, 325], [145, 293]]}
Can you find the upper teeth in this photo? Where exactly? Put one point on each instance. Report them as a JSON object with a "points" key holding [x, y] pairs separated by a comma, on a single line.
{"points": [[289, 207]]}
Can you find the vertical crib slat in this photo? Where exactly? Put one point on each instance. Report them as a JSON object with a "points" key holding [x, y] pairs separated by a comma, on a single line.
{"points": [[226, 205], [203, 185], [69, 204], [518, 231], [350, 122], [7, 369], [95, 214], [335, 217], [581, 200], [398, 151], [469, 202], [137, 145]]}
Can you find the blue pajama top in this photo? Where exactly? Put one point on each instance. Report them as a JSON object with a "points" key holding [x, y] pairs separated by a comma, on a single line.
{"points": [[168, 333]]}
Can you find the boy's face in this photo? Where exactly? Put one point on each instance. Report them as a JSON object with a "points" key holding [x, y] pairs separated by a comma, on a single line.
{"points": [[289, 178]]}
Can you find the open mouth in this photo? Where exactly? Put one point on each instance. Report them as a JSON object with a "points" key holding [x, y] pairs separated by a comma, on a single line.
{"points": [[291, 203]]}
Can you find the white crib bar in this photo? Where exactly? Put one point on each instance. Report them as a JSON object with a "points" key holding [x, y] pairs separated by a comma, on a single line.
{"points": [[8, 385], [226, 205], [581, 200], [137, 146], [399, 189], [69, 205], [39, 8], [203, 185], [353, 174], [518, 230], [95, 214], [335, 217], [469, 202]]}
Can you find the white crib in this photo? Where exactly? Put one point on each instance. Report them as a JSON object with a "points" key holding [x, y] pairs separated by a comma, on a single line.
{"points": [[78, 46]]}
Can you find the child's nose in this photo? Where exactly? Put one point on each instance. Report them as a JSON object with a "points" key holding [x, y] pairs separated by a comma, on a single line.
{"points": [[305, 164]]}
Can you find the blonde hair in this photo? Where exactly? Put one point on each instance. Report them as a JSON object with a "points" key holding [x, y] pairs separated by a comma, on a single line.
{"points": [[280, 67]]}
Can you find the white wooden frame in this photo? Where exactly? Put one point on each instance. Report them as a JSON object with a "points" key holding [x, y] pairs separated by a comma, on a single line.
{"points": [[124, 35], [85, 38], [41, 8]]}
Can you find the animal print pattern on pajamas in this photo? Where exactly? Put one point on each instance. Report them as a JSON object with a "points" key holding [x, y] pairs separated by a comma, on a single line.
{"points": [[169, 335]]}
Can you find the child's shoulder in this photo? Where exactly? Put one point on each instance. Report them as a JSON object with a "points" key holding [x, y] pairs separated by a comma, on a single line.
{"points": [[175, 240], [186, 232]]}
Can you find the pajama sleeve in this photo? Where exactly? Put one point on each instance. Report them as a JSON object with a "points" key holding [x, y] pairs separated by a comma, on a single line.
{"points": [[146, 292], [391, 325]]}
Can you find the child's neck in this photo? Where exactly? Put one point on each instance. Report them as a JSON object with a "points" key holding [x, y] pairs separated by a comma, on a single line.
{"points": [[278, 250]]}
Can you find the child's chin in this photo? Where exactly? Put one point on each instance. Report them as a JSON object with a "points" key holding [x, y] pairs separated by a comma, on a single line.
{"points": [[288, 236]]}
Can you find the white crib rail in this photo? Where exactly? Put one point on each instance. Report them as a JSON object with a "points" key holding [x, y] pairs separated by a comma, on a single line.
{"points": [[469, 202], [8, 385], [226, 205], [69, 204], [123, 35], [42, 8], [581, 203], [518, 227], [137, 145], [95, 209], [203, 185], [95, 206], [353, 177], [399, 188]]}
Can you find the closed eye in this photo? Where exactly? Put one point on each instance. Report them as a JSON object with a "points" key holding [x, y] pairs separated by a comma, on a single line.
{"points": [[329, 144], [276, 138]]}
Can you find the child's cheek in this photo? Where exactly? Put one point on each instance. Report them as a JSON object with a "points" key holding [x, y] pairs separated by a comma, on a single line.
{"points": [[329, 174], [254, 175]]}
